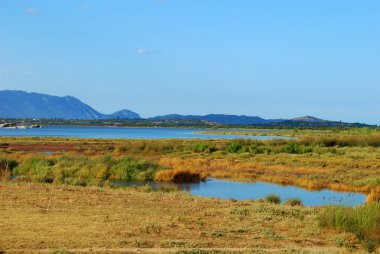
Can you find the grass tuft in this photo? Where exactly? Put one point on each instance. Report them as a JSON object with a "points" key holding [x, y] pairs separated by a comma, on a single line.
{"points": [[273, 198], [293, 202]]}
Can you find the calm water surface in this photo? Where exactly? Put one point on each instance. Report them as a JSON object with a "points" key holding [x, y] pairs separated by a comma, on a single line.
{"points": [[120, 132], [241, 191]]}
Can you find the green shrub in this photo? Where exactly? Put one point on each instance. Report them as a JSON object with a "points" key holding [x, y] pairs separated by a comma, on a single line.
{"points": [[199, 148], [258, 149], [38, 169], [363, 221], [234, 147], [128, 169], [273, 198], [296, 148], [168, 149]]}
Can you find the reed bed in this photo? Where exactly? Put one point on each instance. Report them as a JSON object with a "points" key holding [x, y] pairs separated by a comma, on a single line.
{"points": [[362, 221]]}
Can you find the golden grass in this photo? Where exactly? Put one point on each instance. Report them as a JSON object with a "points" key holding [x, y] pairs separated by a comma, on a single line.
{"points": [[35, 217], [374, 195]]}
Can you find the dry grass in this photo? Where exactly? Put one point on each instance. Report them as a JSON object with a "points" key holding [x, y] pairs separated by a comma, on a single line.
{"points": [[178, 176], [37, 216]]}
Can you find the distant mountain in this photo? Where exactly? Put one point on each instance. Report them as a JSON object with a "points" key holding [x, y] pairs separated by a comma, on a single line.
{"points": [[217, 118], [125, 114], [20, 104], [304, 121], [309, 119]]}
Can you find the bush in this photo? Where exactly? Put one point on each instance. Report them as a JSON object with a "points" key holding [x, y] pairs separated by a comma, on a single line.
{"points": [[234, 147], [6, 167], [38, 169], [295, 148], [212, 149], [273, 198], [257, 149], [200, 148], [131, 170], [7, 164], [293, 202], [362, 221]]}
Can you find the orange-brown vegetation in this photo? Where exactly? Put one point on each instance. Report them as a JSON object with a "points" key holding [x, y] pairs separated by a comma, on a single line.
{"points": [[178, 176]]}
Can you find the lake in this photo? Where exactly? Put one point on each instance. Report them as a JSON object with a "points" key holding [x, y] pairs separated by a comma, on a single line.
{"points": [[122, 132], [242, 191]]}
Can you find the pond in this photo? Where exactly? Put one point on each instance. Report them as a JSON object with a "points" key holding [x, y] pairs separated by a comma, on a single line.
{"points": [[124, 132], [242, 191]]}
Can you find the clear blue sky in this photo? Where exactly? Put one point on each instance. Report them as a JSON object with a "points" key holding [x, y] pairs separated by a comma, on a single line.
{"points": [[272, 58]]}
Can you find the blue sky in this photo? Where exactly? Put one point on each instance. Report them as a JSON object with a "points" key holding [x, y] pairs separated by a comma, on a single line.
{"points": [[272, 58]]}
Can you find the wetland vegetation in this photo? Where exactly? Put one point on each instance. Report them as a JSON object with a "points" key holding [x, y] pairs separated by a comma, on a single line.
{"points": [[337, 159]]}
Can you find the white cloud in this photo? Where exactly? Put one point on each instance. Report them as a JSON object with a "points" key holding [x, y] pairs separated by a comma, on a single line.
{"points": [[142, 51], [32, 11], [85, 6]]}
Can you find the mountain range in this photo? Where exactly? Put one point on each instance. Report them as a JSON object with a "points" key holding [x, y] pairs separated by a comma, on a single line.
{"points": [[24, 105], [218, 118]]}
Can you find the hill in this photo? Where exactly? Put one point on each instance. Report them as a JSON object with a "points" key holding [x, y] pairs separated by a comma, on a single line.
{"points": [[20, 104]]}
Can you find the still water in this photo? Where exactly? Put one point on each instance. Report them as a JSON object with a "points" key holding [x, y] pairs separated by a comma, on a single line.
{"points": [[121, 132], [241, 191]]}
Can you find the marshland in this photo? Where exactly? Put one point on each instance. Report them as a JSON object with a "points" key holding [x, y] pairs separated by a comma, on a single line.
{"points": [[68, 184]]}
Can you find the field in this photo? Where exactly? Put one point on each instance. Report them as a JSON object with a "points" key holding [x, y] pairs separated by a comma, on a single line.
{"points": [[57, 217], [62, 198]]}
